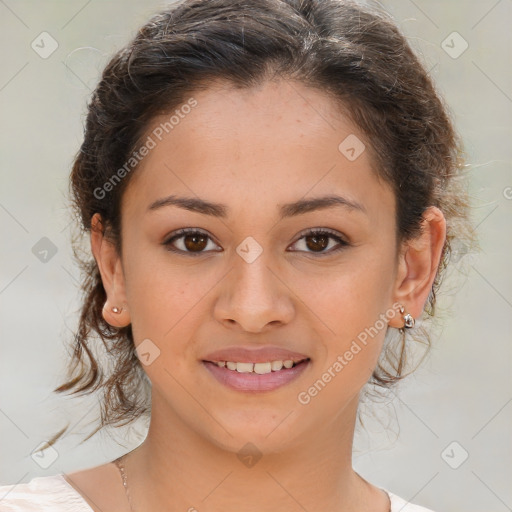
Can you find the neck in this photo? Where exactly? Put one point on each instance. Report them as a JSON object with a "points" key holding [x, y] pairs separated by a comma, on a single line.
{"points": [[186, 471]]}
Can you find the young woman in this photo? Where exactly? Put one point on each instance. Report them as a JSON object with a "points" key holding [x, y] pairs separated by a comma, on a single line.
{"points": [[271, 189]]}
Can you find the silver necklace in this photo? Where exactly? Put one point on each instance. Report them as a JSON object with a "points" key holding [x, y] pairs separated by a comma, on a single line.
{"points": [[120, 466]]}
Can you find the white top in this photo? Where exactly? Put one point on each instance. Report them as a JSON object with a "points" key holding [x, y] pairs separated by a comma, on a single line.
{"points": [[55, 494]]}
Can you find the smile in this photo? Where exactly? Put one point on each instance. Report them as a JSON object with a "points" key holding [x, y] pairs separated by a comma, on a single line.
{"points": [[256, 377], [259, 368]]}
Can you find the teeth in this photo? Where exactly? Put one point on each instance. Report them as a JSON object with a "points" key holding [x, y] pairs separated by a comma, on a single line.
{"points": [[276, 365], [262, 368], [244, 367], [259, 368]]}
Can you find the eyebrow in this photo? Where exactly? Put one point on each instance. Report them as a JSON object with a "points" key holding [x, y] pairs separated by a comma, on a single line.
{"points": [[299, 207]]}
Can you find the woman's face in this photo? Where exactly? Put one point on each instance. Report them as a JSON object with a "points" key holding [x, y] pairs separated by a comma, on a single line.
{"points": [[256, 275]]}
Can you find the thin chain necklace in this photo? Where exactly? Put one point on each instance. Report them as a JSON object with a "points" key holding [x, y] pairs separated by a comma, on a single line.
{"points": [[120, 466]]}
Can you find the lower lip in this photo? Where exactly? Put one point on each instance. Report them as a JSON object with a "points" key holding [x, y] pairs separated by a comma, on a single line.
{"points": [[253, 382]]}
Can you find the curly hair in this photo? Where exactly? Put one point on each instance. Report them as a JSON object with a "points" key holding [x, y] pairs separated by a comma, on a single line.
{"points": [[353, 53]]}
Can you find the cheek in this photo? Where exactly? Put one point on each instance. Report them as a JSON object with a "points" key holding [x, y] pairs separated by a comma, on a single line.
{"points": [[352, 309], [169, 302], [349, 297], [349, 305], [165, 300]]}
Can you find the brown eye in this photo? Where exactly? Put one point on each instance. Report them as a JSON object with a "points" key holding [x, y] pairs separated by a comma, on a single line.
{"points": [[317, 241], [195, 242], [191, 242]]}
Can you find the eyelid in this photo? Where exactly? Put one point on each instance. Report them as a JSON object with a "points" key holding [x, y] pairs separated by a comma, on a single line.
{"points": [[185, 231], [327, 231], [341, 241]]}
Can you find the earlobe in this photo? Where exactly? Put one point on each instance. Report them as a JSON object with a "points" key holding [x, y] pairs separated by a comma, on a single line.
{"points": [[419, 262], [115, 311], [115, 315]]}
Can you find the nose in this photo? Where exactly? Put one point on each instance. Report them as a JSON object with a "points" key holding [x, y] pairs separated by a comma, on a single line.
{"points": [[253, 297]]}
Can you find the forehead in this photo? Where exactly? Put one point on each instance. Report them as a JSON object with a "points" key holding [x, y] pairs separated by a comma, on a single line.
{"points": [[272, 143]]}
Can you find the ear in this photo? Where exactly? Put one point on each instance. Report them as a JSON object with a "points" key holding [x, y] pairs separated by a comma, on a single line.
{"points": [[112, 276], [418, 263]]}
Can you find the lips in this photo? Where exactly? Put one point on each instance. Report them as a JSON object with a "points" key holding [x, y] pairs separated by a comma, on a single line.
{"points": [[232, 367], [254, 383], [254, 355]]}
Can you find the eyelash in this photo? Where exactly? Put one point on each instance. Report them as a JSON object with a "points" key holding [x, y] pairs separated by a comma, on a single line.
{"points": [[311, 232]]}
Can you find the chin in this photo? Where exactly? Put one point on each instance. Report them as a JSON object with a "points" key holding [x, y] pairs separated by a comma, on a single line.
{"points": [[267, 432]]}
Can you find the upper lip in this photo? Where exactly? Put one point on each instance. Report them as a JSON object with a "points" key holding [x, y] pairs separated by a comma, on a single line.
{"points": [[254, 355]]}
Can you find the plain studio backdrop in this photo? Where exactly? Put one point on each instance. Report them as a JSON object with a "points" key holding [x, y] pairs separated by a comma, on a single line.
{"points": [[442, 439]]}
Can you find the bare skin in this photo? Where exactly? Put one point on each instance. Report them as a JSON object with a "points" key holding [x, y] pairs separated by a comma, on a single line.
{"points": [[254, 150]]}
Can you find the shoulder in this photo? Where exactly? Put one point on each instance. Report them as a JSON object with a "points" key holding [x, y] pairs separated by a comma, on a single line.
{"points": [[42, 494], [400, 505]]}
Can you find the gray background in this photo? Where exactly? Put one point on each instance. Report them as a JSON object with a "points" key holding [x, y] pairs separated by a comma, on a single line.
{"points": [[461, 394]]}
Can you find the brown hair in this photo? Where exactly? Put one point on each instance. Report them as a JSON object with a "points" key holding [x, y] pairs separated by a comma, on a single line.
{"points": [[353, 53]]}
